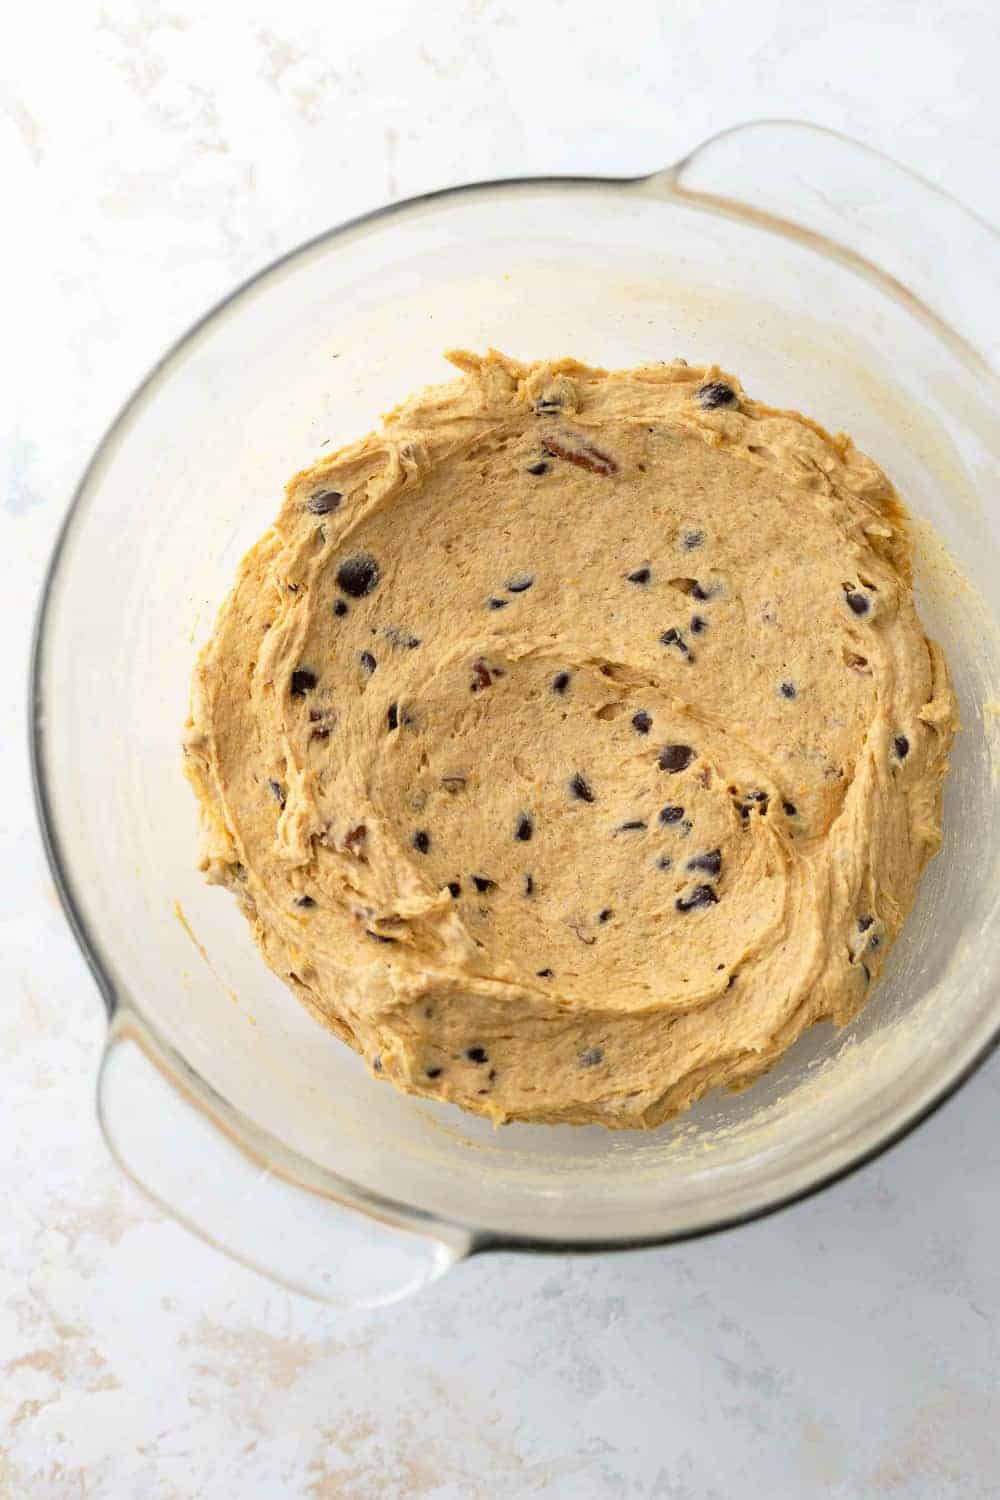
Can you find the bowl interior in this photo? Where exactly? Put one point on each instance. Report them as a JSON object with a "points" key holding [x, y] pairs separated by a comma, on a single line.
{"points": [[307, 357]]}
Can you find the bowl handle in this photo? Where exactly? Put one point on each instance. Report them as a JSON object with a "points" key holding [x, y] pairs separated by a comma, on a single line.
{"points": [[848, 200], [242, 1191]]}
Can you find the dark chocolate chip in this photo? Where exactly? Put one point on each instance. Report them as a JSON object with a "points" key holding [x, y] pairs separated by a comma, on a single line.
{"points": [[675, 757], [790, 810], [454, 888], [702, 895], [358, 575], [477, 1055], [671, 814], [692, 539], [591, 1057], [673, 637], [700, 593], [518, 585], [376, 1064], [305, 901], [481, 677], [716, 393], [483, 883], [710, 862], [340, 609], [277, 792], [636, 826], [874, 942], [560, 682], [787, 689], [324, 502], [421, 841], [545, 973], [392, 717], [698, 624], [498, 603], [529, 885], [378, 936], [581, 789], [857, 602], [412, 642], [664, 862], [524, 828], [368, 662], [864, 923], [641, 575], [605, 915], [432, 1072], [540, 468], [642, 722], [302, 682], [901, 745]]}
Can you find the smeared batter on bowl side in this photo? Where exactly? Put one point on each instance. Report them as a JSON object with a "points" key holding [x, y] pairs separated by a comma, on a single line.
{"points": [[572, 743]]}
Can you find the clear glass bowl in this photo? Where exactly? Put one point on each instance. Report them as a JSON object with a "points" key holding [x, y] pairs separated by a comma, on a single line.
{"points": [[830, 280]]}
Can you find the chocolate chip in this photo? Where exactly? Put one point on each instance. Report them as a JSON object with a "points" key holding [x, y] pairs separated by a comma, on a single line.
{"points": [[701, 593], [664, 862], [857, 602], [548, 403], [901, 745], [319, 734], [355, 837], [392, 717], [560, 682], [634, 827], [874, 942], [675, 757], [710, 862], [481, 676], [378, 936], [674, 638], [368, 662], [545, 973], [324, 502], [787, 689], [498, 603], [358, 575], [477, 1055], [692, 539], [340, 609], [864, 923], [421, 841], [454, 888], [671, 814], [518, 585], [605, 915], [453, 784], [591, 1057], [698, 624], [716, 393], [524, 828], [867, 973], [302, 682], [529, 885], [580, 788], [483, 883], [790, 810], [641, 575], [540, 468], [277, 792], [376, 1064], [304, 901], [432, 1072], [641, 722], [702, 895]]}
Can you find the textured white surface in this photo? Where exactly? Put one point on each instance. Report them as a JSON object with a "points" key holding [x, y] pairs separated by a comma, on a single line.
{"points": [[152, 154]]}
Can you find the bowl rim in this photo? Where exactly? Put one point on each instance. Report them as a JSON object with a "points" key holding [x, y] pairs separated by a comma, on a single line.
{"points": [[251, 1139]]}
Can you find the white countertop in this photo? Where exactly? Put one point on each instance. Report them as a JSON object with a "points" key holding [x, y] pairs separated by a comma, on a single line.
{"points": [[156, 152]]}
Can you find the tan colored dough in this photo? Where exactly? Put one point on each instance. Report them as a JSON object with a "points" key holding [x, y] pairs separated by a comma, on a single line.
{"points": [[810, 826]]}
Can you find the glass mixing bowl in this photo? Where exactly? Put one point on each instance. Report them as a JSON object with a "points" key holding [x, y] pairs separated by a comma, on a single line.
{"points": [[831, 280]]}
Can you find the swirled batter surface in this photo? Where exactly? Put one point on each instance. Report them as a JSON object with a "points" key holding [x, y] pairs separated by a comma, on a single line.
{"points": [[572, 743]]}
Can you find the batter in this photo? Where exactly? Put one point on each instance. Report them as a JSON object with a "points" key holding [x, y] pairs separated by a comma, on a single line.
{"points": [[572, 743]]}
